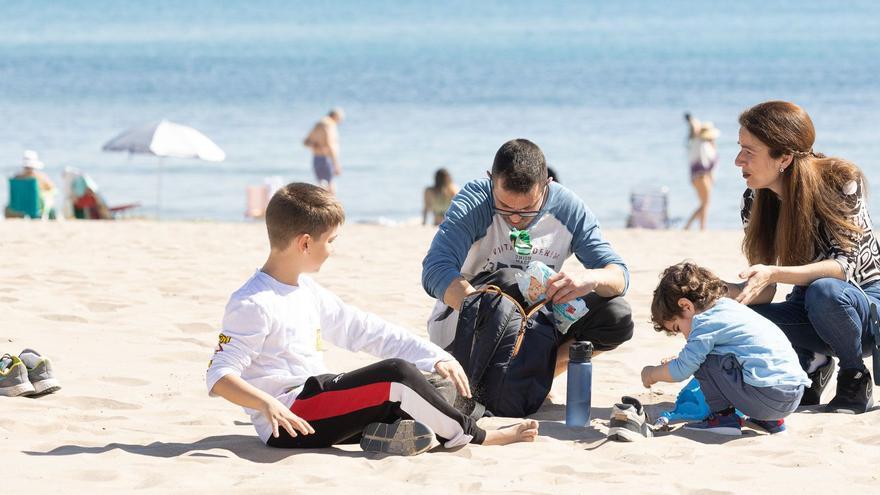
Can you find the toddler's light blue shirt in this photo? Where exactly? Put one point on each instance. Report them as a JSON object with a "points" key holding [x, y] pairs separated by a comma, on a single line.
{"points": [[729, 327]]}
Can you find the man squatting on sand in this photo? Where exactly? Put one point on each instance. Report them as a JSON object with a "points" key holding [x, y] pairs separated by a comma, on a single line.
{"points": [[520, 207]]}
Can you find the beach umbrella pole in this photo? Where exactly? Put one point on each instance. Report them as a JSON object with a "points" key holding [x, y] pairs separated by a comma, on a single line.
{"points": [[159, 190]]}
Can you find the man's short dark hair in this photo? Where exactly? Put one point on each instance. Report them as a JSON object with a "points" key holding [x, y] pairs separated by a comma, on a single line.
{"points": [[519, 165]]}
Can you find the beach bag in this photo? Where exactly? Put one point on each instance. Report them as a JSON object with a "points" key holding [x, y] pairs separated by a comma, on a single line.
{"points": [[508, 353]]}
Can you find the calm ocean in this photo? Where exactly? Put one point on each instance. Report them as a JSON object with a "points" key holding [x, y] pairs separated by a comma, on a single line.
{"points": [[600, 86]]}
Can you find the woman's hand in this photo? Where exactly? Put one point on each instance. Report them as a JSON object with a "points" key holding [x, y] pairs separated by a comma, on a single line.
{"points": [[757, 278], [734, 289], [453, 370], [278, 415]]}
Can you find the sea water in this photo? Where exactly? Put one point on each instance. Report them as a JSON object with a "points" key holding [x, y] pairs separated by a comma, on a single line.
{"points": [[600, 86]]}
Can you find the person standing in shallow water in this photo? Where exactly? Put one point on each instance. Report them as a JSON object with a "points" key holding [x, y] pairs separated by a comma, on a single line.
{"points": [[323, 140], [702, 159], [807, 224]]}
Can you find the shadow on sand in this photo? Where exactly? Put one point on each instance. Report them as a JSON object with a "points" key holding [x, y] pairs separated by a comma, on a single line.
{"points": [[551, 418], [246, 447]]}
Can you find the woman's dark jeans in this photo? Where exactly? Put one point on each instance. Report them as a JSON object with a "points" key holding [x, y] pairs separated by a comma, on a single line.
{"points": [[830, 317]]}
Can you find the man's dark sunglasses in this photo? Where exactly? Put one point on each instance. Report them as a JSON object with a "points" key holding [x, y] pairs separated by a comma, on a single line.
{"points": [[523, 214], [510, 213]]}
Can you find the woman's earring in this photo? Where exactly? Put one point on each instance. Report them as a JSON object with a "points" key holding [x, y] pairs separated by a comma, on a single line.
{"points": [[781, 169]]}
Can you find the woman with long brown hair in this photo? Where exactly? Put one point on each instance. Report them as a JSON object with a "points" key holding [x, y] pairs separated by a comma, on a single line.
{"points": [[807, 224]]}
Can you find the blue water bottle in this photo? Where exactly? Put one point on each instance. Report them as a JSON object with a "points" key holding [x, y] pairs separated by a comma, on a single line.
{"points": [[580, 378]]}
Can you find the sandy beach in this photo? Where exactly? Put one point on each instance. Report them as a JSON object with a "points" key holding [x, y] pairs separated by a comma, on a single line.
{"points": [[129, 314]]}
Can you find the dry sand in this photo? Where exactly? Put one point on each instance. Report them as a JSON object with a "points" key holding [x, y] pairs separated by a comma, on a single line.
{"points": [[129, 314]]}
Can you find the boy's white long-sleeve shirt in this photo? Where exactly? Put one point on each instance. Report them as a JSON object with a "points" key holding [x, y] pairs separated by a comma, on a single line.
{"points": [[271, 337]]}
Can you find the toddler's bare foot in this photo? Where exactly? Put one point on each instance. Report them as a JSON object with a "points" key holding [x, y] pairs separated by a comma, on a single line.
{"points": [[525, 431]]}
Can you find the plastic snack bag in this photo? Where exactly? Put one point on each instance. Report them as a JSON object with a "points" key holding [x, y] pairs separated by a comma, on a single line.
{"points": [[533, 285], [690, 405]]}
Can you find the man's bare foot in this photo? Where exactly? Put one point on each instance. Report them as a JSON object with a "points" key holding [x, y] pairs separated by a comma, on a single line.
{"points": [[525, 431]]}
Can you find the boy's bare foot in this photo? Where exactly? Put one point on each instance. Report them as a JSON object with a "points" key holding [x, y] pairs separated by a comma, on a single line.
{"points": [[525, 431]]}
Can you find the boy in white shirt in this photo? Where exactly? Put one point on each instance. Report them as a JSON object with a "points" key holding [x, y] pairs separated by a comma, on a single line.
{"points": [[269, 359]]}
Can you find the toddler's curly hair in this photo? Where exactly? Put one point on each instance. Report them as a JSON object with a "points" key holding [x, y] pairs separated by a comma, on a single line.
{"points": [[684, 280]]}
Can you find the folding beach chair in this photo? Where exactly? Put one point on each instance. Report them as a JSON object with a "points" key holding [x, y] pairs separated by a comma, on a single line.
{"points": [[258, 196], [85, 202], [257, 200], [24, 198], [649, 208]]}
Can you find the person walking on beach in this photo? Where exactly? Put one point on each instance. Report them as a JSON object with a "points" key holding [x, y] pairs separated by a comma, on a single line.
{"points": [[323, 140], [495, 227], [439, 197], [269, 358], [807, 224], [702, 159]]}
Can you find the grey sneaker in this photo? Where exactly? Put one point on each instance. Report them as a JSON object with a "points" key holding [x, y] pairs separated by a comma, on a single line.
{"points": [[39, 371], [629, 423], [404, 437], [14, 377]]}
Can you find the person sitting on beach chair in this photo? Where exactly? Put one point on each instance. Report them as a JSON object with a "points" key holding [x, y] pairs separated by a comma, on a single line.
{"points": [[269, 357], [85, 202], [31, 192]]}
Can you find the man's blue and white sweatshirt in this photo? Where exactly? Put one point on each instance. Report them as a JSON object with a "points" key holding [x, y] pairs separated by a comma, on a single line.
{"points": [[473, 239]]}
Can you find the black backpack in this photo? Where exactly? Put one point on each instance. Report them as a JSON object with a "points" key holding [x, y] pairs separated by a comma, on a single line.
{"points": [[508, 353]]}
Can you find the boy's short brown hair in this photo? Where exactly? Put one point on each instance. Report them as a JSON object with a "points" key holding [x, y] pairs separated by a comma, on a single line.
{"points": [[300, 208], [684, 280]]}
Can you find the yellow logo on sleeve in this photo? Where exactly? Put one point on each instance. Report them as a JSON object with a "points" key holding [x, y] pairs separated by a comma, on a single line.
{"points": [[319, 344], [224, 339]]}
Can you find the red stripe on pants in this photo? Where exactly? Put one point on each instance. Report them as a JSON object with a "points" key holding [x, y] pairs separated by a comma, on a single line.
{"points": [[341, 402]]}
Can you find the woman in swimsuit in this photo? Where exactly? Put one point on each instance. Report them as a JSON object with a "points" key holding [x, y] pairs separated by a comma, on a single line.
{"points": [[439, 197], [702, 158]]}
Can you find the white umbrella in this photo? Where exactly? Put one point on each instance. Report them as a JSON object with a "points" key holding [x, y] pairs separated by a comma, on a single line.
{"points": [[166, 139]]}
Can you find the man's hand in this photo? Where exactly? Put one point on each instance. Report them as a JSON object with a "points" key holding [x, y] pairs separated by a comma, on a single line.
{"points": [[757, 278], [278, 415], [648, 376], [337, 170], [563, 287], [453, 370]]}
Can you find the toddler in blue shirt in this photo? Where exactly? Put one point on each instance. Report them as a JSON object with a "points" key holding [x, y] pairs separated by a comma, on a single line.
{"points": [[741, 359]]}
